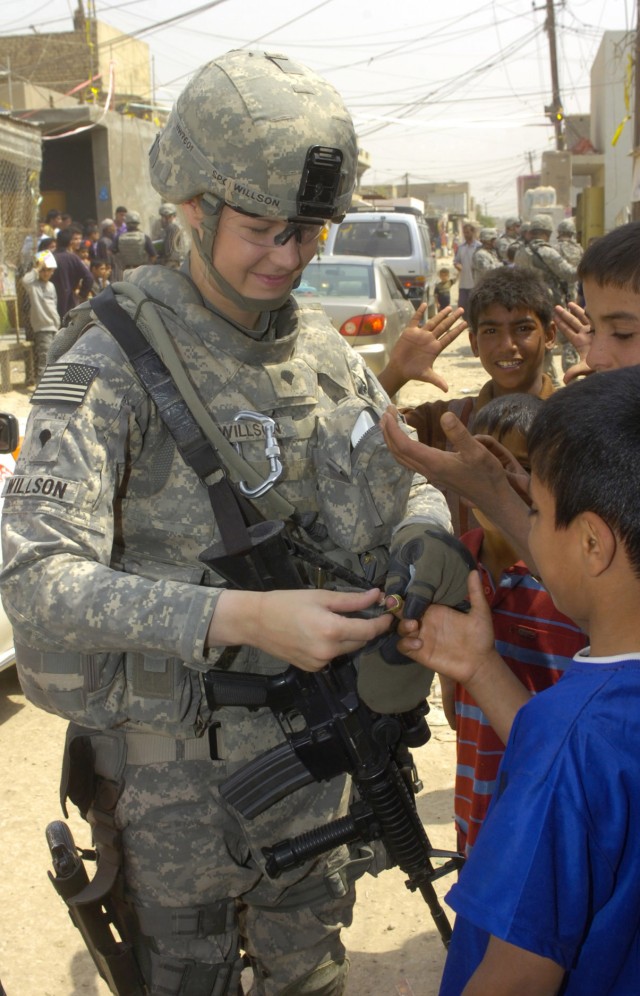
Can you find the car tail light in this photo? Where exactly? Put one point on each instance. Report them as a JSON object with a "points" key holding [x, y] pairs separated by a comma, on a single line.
{"points": [[363, 325], [412, 283]]}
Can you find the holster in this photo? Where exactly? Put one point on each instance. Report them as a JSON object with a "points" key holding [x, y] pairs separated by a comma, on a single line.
{"points": [[92, 779], [106, 928]]}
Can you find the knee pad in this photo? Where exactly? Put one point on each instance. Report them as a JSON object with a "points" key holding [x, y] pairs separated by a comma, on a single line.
{"points": [[328, 979]]}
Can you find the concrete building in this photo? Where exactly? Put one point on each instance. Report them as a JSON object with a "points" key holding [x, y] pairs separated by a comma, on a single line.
{"points": [[93, 158], [593, 177], [610, 77], [81, 61]]}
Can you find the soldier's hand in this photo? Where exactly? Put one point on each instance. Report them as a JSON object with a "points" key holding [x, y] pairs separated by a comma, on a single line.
{"points": [[426, 565], [304, 627]]}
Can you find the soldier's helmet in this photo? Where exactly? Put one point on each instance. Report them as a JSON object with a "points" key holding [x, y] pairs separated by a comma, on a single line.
{"points": [[567, 227], [262, 134], [132, 218], [512, 222], [542, 223], [487, 234], [167, 210]]}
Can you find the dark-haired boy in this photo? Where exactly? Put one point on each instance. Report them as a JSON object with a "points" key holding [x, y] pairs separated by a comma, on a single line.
{"points": [[547, 901], [512, 330]]}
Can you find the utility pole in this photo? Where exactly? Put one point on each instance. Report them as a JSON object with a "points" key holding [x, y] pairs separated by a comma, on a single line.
{"points": [[530, 158], [555, 109]]}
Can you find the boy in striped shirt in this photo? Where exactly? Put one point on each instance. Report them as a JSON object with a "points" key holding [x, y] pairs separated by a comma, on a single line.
{"points": [[536, 641]]}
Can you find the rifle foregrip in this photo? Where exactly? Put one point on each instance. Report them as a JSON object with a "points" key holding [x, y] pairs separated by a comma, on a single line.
{"points": [[263, 782]]}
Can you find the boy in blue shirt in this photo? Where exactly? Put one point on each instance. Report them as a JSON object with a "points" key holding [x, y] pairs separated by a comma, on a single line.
{"points": [[547, 902]]}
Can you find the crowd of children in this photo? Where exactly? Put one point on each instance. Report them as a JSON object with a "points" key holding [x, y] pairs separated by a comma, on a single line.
{"points": [[547, 659], [546, 902]]}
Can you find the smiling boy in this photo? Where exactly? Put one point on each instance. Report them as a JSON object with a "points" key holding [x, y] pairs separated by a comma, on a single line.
{"points": [[547, 901], [512, 329]]}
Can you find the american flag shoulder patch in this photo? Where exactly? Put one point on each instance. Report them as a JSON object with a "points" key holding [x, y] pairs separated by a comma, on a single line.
{"points": [[65, 383]]}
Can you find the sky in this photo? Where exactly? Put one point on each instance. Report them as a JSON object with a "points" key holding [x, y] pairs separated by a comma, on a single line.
{"points": [[438, 92]]}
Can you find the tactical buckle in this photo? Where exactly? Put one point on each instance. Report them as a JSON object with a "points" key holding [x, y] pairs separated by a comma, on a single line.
{"points": [[271, 451]]}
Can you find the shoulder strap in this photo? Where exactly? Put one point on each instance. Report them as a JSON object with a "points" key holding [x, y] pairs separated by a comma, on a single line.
{"points": [[203, 454]]}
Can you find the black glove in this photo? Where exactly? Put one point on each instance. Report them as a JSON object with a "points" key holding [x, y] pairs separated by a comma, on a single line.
{"points": [[427, 565]]}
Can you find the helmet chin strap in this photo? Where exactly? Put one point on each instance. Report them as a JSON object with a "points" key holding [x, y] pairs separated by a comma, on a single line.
{"points": [[204, 245]]}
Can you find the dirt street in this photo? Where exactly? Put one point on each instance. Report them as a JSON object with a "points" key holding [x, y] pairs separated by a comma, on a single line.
{"points": [[394, 947]]}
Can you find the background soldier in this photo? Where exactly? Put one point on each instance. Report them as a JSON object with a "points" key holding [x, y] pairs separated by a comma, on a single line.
{"points": [[570, 249], [115, 615], [558, 274], [485, 257], [173, 248], [508, 237], [133, 248]]}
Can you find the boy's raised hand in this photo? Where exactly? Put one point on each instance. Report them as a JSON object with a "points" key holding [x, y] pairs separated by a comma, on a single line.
{"points": [[419, 346], [573, 322]]}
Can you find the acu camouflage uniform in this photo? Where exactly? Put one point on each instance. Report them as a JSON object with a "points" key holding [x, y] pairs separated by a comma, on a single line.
{"points": [[559, 275], [173, 250], [503, 244], [484, 259], [571, 250], [103, 523]]}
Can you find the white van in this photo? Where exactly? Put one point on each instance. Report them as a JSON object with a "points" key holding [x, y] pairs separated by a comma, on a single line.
{"points": [[398, 235]]}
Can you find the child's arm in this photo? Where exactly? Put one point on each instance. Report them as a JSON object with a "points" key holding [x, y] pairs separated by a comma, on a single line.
{"points": [[417, 349], [471, 470], [575, 325], [461, 646], [507, 970]]}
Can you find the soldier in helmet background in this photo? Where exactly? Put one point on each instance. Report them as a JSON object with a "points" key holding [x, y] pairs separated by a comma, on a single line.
{"points": [[569, 248], [558, 274], [173, 243], [133, 248], [485, 257], [509, 237], [115, 616]]}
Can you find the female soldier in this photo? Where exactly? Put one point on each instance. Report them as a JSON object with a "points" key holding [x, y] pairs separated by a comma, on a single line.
{"points": [[116, 618]]}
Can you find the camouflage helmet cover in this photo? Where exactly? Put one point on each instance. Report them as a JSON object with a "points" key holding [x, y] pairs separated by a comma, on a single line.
{"points": [[567, 227], [541, 223], [167, 209], [132, 218], [243, 130]]}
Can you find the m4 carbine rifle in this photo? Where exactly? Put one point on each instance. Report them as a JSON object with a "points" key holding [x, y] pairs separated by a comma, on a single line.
{"points": [[341, 735]]}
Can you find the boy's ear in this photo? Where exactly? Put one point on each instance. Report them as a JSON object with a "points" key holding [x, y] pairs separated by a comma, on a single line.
{"points": [[550, 334], [473, 342], [598, 542]]}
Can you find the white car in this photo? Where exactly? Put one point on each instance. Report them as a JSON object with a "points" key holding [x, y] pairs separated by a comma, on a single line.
{"points": [[364, 301], [9, 443]]}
